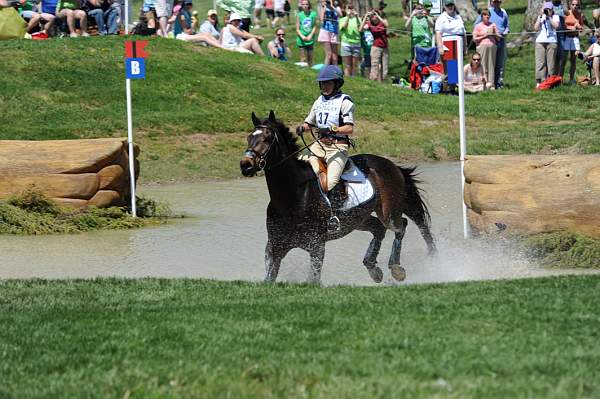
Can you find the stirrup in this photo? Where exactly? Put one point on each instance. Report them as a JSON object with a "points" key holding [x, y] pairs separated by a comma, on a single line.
{"points": [[333, 224]]}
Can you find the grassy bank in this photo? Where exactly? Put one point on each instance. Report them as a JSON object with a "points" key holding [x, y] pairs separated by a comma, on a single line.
{"points": [[192, 112], [194, 338], [33, 213]]}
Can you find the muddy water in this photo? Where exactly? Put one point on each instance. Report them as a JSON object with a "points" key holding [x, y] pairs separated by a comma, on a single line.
{"points": [[224, 238]]}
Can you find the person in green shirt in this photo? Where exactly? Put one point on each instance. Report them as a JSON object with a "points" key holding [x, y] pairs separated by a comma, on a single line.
{"points": [[306, 26], [420, 25], [350, 37], [71, 10]]}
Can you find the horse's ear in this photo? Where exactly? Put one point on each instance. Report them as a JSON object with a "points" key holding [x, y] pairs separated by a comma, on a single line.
{"points": [[255, 120], [271, 116]]}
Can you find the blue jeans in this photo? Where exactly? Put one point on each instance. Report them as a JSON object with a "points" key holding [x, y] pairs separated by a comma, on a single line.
{"points": [[500, 62], [106, 20]]}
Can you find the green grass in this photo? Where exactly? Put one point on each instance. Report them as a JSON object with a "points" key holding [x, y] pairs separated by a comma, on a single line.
{"points": [[192, 112], [194, 338], [563, 249], [34, 213]]}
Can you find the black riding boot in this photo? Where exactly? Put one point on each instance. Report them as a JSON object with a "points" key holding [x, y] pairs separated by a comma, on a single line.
{"points": [[336, 201]]}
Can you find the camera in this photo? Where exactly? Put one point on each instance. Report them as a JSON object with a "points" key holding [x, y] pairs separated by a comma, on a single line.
{"points": [[581, 56], [547, 12]]}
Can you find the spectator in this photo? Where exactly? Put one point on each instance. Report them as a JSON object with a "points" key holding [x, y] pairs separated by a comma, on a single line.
{"points": [[28, 11], [570, 44], [183, 27], [596, 16], [593, 55], [499, 17], [474, 75], [243, 8], [420, 25], [350, 38], [278, 48], [71, 11], [270, 11], [258, 6], [379, 51], [306, 26], [164, 9], [149, 10], [233, 38], [366, 43], [328, 35], [48, 13], [546, 42], [559, 10], [485, 35], [279, 8], [105, 13], [449, 23], [211, 25]]}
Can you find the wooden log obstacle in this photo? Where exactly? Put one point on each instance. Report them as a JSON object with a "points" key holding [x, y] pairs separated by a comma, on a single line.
{"points": [[74, 173], [530, 194]]}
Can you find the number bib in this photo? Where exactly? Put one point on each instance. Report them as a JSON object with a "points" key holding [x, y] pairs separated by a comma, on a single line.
{"points": [[328, 112]]}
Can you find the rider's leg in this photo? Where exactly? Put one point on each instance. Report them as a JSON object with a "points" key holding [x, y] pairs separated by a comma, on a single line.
{"points": [[337, 154]]}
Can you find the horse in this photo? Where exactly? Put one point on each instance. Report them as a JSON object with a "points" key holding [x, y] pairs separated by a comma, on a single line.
{"points": [[297, 213]]}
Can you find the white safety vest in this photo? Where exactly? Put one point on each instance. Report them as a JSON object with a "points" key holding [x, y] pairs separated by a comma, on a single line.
{"points": [[328, 112]]}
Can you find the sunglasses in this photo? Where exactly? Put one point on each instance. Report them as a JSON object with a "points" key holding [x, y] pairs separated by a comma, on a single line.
{"points": [[476, 59], [280, 34]]}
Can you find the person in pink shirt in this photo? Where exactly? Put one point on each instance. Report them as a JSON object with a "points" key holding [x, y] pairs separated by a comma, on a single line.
{"points": [[485, 36]]}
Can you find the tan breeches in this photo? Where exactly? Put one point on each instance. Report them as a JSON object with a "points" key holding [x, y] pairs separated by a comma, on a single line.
{"points": [[335, 155]]}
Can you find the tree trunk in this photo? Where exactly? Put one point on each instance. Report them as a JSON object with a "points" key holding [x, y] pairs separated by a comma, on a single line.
{"points": [[467, 12], [533, 10]]}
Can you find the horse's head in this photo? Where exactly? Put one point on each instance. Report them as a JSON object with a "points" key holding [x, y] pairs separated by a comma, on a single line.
{"points": [[260, 143]]}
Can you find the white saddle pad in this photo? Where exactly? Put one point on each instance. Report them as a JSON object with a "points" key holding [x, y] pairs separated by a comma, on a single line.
{"points": [[360, 188]]}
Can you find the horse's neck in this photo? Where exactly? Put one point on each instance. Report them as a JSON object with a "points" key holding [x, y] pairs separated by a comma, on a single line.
{"points": [[286, 181]]}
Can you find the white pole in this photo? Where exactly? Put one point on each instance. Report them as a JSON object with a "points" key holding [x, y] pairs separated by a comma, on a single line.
{"points": [[463, 130], [126, 17], [130, 145]]}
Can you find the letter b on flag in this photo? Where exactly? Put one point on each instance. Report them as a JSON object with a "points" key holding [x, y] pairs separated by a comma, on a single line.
{"points": [[135, 68]]}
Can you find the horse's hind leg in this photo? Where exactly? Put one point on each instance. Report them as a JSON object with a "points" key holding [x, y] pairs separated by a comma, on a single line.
{"points": [[376, 228], [398, 225], [274, 253]]}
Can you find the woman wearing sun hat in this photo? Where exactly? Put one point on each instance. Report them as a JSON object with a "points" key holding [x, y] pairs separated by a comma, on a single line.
{"points": [[234, 38], [546, 42]]}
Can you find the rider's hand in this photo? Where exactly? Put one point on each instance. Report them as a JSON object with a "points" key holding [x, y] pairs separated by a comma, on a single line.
{"points": [[300, 130]]}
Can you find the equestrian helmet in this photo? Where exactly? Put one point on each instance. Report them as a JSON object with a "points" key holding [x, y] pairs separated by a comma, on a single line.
{"points": [[331, 72]]}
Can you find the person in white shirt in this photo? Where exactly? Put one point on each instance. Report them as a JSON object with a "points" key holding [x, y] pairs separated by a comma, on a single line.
{"points": [[233, 38], [449, 23], [546, 43]]}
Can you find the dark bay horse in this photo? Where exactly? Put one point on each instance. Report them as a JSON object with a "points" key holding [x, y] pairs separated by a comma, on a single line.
{"points": [[297, 214]]}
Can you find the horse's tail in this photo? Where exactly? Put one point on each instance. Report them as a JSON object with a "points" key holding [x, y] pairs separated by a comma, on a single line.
{"points": [[416, 209]]}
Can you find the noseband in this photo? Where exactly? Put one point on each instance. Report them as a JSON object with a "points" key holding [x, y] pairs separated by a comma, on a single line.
{"points": [[262, 161]]}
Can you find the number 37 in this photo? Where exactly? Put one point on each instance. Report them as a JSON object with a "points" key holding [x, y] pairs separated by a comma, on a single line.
{"points": [[321, 121]]}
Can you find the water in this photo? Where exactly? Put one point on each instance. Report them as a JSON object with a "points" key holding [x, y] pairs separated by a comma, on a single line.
{"points": [[225, 236]]}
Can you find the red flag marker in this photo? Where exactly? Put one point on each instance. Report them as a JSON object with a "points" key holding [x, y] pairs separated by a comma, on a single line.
{"points": [[135, 49]]}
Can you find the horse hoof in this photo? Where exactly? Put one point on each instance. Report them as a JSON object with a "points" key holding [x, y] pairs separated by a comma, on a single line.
{"points": [[376, 274], [398, 272]]}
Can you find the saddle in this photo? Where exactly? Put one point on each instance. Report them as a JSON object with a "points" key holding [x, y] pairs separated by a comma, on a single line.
{"points": [[339, 193]]}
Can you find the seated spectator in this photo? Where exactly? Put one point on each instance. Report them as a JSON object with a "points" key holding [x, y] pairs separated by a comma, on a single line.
{"points": [[306, 26], [71, 11], [28, 11], [149, 11], [350, 38], [183, 27], [233, 38], [177, 6], [211, 25], [105, 13], [48, 13], [278, 48], [420, 25], [485, 35], [474, 79], [593, 55]]}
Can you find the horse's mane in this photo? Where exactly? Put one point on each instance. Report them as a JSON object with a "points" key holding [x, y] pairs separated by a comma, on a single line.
{"points": [[290, 137]]}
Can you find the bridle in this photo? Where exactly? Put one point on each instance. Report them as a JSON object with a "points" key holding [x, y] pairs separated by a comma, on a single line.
{"points": [[262, 161]]}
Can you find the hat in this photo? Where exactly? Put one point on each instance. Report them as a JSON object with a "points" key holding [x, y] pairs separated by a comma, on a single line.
{"points": [[211, 12], [233, 16], [548, 5], [449, 3], [187, 2]]}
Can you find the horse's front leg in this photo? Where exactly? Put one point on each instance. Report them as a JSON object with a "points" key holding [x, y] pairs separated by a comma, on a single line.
{"points": [[317, 254], [274, 254]]}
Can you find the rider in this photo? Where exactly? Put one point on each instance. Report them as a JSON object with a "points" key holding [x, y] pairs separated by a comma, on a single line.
{"points": [[333, 114]]}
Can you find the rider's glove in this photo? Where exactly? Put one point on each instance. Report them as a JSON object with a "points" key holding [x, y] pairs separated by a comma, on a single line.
{"points": [[300, 130]]}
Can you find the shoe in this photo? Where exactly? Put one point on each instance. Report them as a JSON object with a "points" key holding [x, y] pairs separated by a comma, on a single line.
{"points": [[73, 34], [85, 34], [537, 85]]}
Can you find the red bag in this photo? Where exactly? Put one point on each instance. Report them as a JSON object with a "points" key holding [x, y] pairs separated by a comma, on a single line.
{"points": [[550, 82]]}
